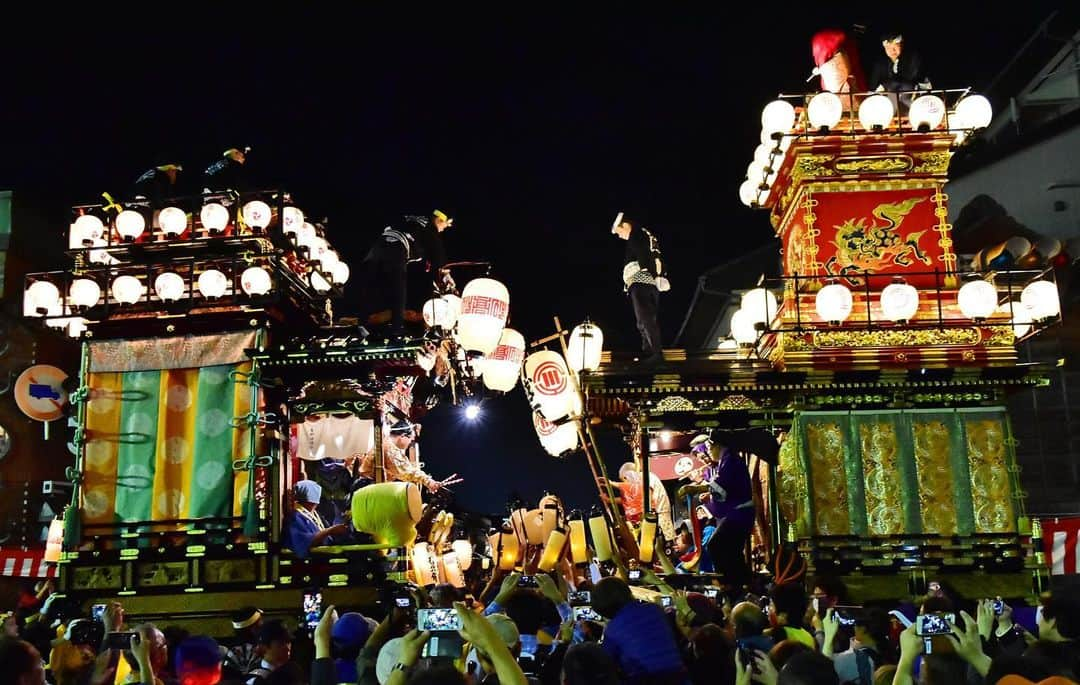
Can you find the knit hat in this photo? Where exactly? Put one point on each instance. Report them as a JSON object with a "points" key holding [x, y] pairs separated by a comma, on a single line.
{"points": [[350, 631]]}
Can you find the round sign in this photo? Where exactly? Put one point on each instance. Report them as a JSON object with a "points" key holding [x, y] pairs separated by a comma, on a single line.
{"points": [[40, 394]]}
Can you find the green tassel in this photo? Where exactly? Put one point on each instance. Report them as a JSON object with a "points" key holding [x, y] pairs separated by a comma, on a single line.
{"points": [[72, 528], [251, 517]]}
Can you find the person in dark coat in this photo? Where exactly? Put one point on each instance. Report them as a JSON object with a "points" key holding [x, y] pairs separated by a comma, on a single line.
{"points": [[899, 68], [644, 279]]}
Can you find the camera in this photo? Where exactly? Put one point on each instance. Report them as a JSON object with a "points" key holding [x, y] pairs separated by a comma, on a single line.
{"points": [[580, 598], [712, 592], [528, 581], [998, 605], [438, 620], [120, 640], [934, 624], [665, 601], [402, 602], [634, 575], [847, 615]]}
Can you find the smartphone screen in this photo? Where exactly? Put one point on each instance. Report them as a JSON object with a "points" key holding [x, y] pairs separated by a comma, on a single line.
{"points": [[665, 601], [712, 592], [580, 598], [586, 613], [934, 624], [312, 609], [634, 574], [403, 602], [437, 620], [97, 612]]}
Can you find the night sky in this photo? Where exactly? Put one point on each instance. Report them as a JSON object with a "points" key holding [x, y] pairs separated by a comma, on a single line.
{"points": [[531, 132]]}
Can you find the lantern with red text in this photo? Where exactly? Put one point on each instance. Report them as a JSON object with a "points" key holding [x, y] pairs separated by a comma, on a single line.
{"points": [[485, 304], [556, 440], [503, 366], [548, 385]]}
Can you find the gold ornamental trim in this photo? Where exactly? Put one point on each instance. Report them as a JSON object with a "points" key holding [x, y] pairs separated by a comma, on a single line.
{"points": [[897, 338], [811, 166], [932, 162], [874, 164], [675, 403], [1002, 336], [737, 402]]}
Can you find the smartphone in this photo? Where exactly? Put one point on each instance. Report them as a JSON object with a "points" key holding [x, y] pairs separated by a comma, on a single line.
{"points": [[438, 620], [586, 613], [119, 640], [634, 575], [403, 602], [934, 624], [528, 581], [580, 598], [712, 592], [97, 612], [312, 608], [847, 615], [665, 601], [999, 606]]}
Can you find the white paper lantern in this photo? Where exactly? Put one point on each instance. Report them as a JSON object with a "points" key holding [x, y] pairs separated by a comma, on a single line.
{"points": [[748, 192], [485, 304], [425, 565], [213, 283], [1041, 299], [926, 112], [173, 221], [585, 346], [899, 302], [214, 217], [556, 440], [294, 219], [977, 299], [130, 224], [257, 214], [76, 326], [876, 112], [255, 281], [127, 289], [438, 312], [502, 367], [742, 328], [782, 142], [84, 292], [317, 249], [42, 298], [318, 282], [339, 274], [330, 259], [463, 549], [548, 385], [760, 305], [777, 117], [834, 303], [825, 110], [169, 286], [1020, 316], [306, 235], [755, 172], [974, 111], [85, 230], [763, 154], [101, 256]]}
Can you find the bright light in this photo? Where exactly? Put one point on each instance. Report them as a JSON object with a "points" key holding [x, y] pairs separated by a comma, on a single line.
{"points": [[665, 436], [778, 117], [173, 221], [214, 217], [926, 112], [876, 112], [130, 224], [825, 110], [834, 303], [472, 412], [974, 111]]}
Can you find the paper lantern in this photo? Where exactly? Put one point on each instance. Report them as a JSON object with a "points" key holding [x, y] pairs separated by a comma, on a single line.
{"points": [[255, 281], [438, 312], [130, 224], [556, 440], [549, 558], [742, 328], [550, 516], [974, 111], [318, 282], [834, 303], [330, 259], [502, 368], [825, 110], [926, 113], [425, 566], [647, 539], [579, 550], [127, 289], [54, 543], [777, 117], [451, 570], [214, 217], [464, 551], [760, 305], [42, 298], [584, 348], [876, 112], [748, 193], [899, 301], [169, 286], [84, 292], [485, 304], [294, 219], [1041, 300], [977, 300], [85, 230], [504, 549], [534, 527], [518, 517], [1020, 316], [173, 221], [601, 536], [548, 385], [212, 283], [257, 214], [779, 142], [340, 273], [317, 249], [76, 326], [755, 171]]}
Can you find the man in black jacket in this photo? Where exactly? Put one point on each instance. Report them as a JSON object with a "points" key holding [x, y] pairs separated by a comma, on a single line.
{"points": [[413, 239], [644, 279], [900, 68]]}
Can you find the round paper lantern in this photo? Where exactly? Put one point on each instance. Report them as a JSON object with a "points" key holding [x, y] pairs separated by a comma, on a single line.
{"points": [[763, 155], [834, 303], [876, 112], [127, 289], [748, 193], [485, 304], [977, 299], [85, 230], [777, 117], [1020, 316], [76, 326], [548, 385], [782, 142], [585, 346], [330, 259], [294, 219], [213, 283], [319, 283], [317, 249], [760, 305], [926, 113], [339, 274], [169, 286], [1041, 299], [84, 292], [214, 217], [825, 110], [556, 440], [438, 312], [173, 221], [130, 224], [42, 298], [755, 171], [742, 328], [257, 214], [502, 367], [255, 281], [974, 111], [899, 302], [306, 235]]}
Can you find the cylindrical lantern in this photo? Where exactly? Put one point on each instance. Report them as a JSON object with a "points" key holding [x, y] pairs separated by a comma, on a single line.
{"points": [[451, 570], [257, 214], [834, 303], [977, 299], [647, 539], [84, 292], [549, 517], [214, 217], [556, 440], [425, 567], [974, 111], [534, 527], [584, 348], [169, 286], [173, 221], [549, 559], [54, 543], [876, 112], [579, 550], [130, 224], [760, 305], [742, 328], [1041, 299], [601, 535], [748, 192], [294, 219], [518, 517], [825, 110], [42, 298], [548, 384], [85, 230], [777, 117], [213, 283], [899, 301], [255, 281], [464, 551], [504, 549], [926, 112], [485, 304], [502, 368], [127, 289]]}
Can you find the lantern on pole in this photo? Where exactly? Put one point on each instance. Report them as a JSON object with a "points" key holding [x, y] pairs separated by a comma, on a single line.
{"points": [[425, 566], [464, 550], [548, 385], [601, 535], [556, 439], [579, 550], [54, 544], [647, 541], [549, 559], [584, 348], [485, 304], [504, 549], [502, 367]]}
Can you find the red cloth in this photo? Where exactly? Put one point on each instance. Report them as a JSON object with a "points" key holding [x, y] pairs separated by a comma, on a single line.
{"points": [[827, 42], [1060, 537]]}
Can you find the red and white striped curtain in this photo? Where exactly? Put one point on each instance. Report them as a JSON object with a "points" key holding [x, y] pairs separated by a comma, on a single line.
{"points": [[1059, 543], [19, 564]]}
